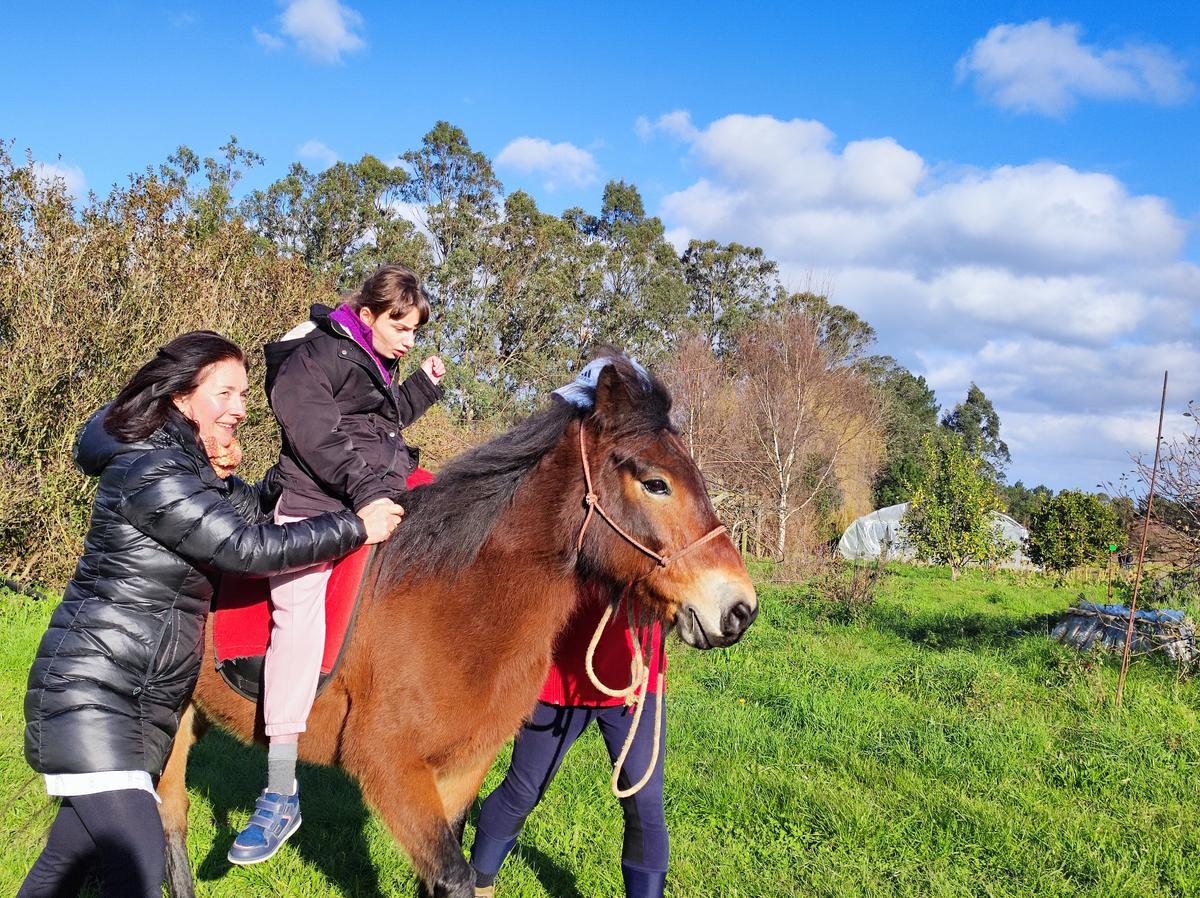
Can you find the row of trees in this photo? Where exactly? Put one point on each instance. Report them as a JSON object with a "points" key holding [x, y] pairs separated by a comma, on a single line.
{"points": [[797, 425], [793, 423], [91, 287]]}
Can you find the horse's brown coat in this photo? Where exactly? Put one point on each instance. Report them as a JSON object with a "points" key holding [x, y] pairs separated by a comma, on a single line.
{"points": [[443, 667]]}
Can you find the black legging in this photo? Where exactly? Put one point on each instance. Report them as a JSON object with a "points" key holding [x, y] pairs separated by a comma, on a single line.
{"points": [[119, 834], [537, 753]]}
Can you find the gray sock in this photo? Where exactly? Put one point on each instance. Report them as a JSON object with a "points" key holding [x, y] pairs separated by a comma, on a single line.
{"points": [[281, 767]]}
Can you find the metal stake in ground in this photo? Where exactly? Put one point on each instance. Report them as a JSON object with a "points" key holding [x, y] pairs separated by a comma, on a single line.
{"points": [[1137, 577], [1112, 551]]}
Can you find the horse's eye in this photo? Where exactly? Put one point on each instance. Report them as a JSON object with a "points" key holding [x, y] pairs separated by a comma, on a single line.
{"points": [[656, 486]]}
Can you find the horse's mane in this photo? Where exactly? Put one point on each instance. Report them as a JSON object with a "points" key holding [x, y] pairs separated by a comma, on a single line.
{"points": [[447, 522]]}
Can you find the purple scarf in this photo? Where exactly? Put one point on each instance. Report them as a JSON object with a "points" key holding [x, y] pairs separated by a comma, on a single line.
{"points": [[360, 333]]}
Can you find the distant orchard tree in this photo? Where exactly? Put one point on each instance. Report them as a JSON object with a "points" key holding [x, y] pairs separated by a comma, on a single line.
{"points": [[1072, 529], [949, 518]]}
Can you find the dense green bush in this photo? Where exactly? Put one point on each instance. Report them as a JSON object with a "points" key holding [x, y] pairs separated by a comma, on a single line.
{"points": [[1071, 530], [85, 298]]}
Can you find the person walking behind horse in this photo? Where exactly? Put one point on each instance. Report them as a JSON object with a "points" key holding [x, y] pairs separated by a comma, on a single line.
{"points": [[332, 385], [567, 705], [123, 649]]}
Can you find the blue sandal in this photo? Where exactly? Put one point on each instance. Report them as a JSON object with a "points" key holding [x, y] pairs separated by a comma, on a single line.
{"points": [[275, 818]]}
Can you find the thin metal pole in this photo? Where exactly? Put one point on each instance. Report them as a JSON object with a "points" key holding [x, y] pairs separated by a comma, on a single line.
{"points": [[1137, 578]]}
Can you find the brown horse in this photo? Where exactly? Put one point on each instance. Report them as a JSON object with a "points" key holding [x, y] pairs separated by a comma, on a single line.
{"points": [[454, 636]]}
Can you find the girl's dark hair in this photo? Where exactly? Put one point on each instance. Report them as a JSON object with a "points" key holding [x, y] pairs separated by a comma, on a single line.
{"points": [[144, 404], [394, 290]]}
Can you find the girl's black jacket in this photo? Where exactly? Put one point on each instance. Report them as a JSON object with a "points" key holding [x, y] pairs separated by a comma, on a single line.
{"points": [[123, 650], [343, 440]]}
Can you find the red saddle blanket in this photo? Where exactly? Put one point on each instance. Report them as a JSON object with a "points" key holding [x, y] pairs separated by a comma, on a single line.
{"points": [[242, 615]]}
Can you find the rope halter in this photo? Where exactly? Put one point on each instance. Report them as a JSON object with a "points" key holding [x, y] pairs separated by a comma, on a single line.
{"points": [[635, 693]]}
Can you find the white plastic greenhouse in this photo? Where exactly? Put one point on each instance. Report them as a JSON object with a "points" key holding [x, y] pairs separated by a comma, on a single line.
{"points": [[869, 536]]}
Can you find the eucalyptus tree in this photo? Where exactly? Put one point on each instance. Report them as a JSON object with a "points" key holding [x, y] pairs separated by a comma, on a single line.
{"points": [[976, 421], [845, 335], [639, 298], [526, 335], [325, 218], [911, 413], [729, 286], [453, 192]]}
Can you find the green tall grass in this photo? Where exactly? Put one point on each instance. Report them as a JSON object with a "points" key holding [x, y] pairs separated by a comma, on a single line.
{"points": [[938, 745]]}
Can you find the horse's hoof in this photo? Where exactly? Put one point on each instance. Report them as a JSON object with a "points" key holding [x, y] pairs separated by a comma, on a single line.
{"points": [[459, 887]]}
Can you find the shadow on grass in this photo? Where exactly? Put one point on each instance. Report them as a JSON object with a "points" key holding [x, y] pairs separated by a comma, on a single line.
{"points": [[333, 837], [960, 631], [556, 879]]}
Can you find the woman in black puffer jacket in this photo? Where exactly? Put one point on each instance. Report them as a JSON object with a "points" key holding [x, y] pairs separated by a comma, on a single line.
{"points": [[123, 650]]}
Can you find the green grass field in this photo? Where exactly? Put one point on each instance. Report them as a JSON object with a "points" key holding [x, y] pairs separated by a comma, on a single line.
{"points": [[939, 745]]}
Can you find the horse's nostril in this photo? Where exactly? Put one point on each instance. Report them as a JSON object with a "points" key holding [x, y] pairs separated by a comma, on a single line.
{"points": [[738, 618]]}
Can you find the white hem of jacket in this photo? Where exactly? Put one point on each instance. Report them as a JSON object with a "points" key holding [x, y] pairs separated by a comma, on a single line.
{"points": [[68, 784]]}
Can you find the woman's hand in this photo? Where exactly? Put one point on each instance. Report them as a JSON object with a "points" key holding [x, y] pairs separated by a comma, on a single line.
{"points": [[380, 517], [435, 368]]}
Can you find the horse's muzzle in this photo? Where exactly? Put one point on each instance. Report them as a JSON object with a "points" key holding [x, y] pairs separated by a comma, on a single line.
{"points": [[719, 623]]}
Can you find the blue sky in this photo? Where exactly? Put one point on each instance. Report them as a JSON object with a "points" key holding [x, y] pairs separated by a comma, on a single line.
{"points": [[1008, 192]]}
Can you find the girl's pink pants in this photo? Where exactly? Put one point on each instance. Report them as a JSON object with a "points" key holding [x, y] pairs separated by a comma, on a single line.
{"points": [[293, 662]]}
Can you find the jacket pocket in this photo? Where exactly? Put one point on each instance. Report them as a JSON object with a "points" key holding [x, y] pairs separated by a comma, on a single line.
{"points": [[165, 649], [375, 439], [178, 657]]}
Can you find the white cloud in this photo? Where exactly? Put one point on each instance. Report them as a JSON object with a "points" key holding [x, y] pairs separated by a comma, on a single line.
{"points": [[1057, 290], [1072, 416], [1044, 68], [266, 39], [71, 176], [562, 164], [790, 185], [315, 151], [323, 30], [678, 124]]}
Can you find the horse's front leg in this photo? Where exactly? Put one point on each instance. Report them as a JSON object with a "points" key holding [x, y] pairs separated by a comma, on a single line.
{"points": [[406, 797], [458, 788], [172, 788]]}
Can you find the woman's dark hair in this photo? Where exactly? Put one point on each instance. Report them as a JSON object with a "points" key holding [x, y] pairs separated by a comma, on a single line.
{"points": [[144, 404], [394, 290]]}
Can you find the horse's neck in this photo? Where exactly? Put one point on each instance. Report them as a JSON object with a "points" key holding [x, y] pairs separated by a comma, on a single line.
{"points": [[534, 542]]}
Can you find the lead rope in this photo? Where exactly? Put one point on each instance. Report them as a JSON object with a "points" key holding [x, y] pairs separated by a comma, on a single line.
{"points": [[638, 667], [634, 694]]}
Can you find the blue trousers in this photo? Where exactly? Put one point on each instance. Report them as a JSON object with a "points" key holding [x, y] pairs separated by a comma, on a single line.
{"points": [[538, 751], [118, 833]]}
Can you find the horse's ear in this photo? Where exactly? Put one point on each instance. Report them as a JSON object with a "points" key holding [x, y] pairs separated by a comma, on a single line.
{"points": [[614, 399]]}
